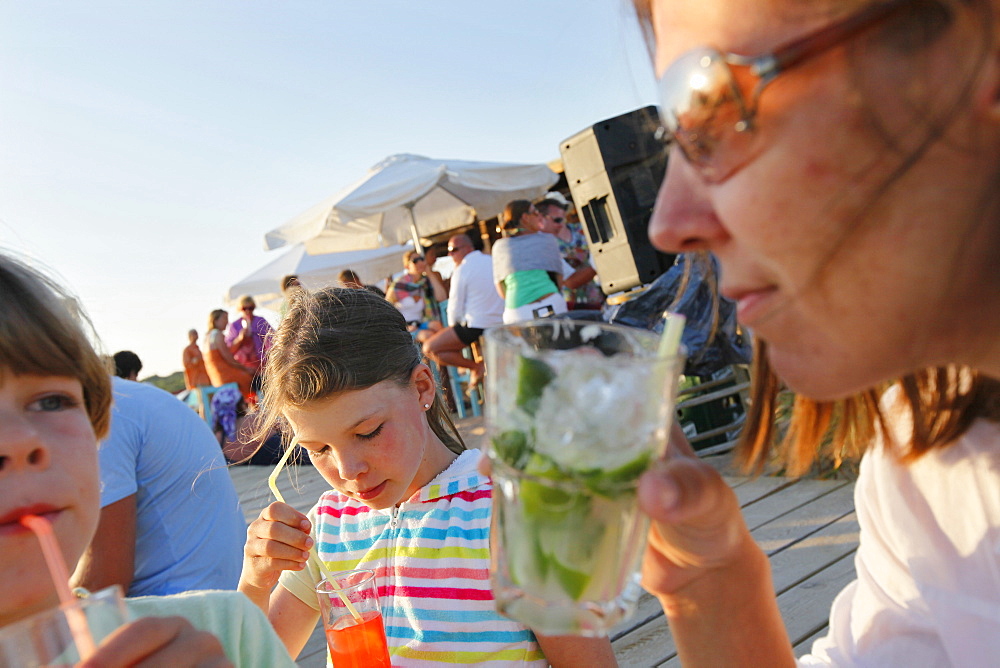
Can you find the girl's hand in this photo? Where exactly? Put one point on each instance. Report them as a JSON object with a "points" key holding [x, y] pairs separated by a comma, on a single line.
{"points": [[697, 524], [277, 541], [159, 641]]}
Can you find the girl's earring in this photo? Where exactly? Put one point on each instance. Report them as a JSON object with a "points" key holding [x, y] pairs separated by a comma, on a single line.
{"points": [[426, 406]]}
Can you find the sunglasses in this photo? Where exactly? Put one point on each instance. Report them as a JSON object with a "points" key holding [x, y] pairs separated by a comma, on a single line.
{"points": [[557, 221], [452, 249], [248, 308], [703, 105]]}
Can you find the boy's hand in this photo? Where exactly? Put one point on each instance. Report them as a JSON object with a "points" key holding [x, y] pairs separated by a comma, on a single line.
{"points": [[277, 541], [159, 641]]}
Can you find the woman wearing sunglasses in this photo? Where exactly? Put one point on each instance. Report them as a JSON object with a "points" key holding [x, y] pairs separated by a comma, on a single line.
{"points": [[842, 161]]}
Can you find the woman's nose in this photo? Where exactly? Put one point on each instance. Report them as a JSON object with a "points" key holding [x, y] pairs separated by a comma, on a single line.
{"points": [[20, 447], [683, 219]]}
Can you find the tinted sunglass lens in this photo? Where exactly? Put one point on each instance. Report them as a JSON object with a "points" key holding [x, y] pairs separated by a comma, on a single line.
{"points": [[703, 110]]}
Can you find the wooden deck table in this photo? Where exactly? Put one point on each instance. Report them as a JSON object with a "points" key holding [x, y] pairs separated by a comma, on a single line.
{"points": [[807, 528]]}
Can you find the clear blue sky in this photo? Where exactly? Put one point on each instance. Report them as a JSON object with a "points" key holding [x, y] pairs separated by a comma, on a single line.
{"points": [[146, 147]]}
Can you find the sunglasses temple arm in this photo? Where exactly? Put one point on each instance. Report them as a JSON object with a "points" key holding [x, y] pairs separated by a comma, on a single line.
{"points": [[816, 43]]}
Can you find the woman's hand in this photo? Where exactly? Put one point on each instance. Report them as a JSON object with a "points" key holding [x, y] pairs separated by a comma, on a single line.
{"points": [[277, 541], [697, 524], [159, 641]]}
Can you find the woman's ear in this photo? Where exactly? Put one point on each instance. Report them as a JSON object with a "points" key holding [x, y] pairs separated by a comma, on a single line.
{"points": [[423, 381]]}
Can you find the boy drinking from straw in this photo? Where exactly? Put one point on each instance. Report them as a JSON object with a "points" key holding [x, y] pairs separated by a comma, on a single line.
{"points": [[55, 396]]}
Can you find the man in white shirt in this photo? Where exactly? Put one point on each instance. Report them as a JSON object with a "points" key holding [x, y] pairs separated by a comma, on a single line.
{"points": [[473, 306]]}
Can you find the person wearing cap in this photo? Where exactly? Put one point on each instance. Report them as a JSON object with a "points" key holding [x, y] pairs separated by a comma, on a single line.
{"points": [[416, 294], [527, 268], [580, 289], [473, 306]]}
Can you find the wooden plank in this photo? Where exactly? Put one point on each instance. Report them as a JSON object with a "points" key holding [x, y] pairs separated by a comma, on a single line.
{"points": [[761, 511], [802, 559], [313, 655], [791, 527], [805, 609], [758, 488], [805, 646], [649, 643], [300, 485]]}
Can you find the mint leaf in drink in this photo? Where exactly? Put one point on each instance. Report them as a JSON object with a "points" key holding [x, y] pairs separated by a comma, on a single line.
{"points": [[573, 582], [532, 377], [512, 447], [616, 481]]}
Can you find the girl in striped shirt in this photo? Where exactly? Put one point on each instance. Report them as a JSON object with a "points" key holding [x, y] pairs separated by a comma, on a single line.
{"points": [[345, 379]]}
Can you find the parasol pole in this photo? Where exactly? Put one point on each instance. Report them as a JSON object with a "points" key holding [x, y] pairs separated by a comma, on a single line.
{"points": [[417, 246]]}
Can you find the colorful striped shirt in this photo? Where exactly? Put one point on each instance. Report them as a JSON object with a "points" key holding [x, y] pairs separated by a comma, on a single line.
{"points": [[431, 558]]}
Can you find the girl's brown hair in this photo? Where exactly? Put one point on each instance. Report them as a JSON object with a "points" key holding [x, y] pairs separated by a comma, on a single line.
{"points": [[336, 340], [43, 331]]}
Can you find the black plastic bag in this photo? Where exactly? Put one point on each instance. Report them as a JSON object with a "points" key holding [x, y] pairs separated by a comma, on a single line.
{"points": [[711, 335]]}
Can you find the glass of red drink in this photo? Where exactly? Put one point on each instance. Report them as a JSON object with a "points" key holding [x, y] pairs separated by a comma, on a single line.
{"points": [[352, 617]]}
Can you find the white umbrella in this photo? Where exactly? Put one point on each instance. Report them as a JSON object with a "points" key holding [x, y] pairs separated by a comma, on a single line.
{"points": [[408, 196], [316, 271]]}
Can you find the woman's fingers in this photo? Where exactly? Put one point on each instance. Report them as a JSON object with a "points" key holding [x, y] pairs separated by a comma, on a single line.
{"points": [[679, 444], [159, 641], [697, 523]]}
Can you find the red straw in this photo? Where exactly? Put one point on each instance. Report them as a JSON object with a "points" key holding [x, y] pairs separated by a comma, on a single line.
{"points": [[75, 617]]}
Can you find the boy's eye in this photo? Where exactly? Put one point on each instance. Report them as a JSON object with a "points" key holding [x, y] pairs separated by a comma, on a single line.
{"points": [[54, 402], [372, 434]]}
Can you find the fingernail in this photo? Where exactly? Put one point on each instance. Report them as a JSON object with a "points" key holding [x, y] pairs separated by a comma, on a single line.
{"points": [[310, 542], [305, 525], [305, 555]]}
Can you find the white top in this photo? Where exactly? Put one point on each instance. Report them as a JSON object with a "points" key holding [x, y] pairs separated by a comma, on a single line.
{"points": [[928, 564], [473, 298]]}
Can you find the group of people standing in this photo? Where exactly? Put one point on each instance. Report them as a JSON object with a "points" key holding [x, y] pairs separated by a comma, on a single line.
{"points": [[233, 352], [540, 267]]}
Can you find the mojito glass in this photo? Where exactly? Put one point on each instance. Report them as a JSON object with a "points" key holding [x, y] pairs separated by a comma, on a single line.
{"points": [[577, 411], [47, 638]]}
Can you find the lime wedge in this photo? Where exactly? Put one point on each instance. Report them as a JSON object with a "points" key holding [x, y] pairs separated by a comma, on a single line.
{"points": [[532, 377]]}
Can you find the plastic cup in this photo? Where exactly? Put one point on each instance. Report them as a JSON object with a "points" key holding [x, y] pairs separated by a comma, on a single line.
{"points": [[46, 639], [353, 642], [576, 413]]}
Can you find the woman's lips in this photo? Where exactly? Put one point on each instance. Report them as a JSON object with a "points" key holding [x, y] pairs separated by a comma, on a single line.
{"points": [[751, 305], [370, 494]]}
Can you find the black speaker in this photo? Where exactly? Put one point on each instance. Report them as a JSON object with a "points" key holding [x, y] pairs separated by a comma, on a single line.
{"points": [[614, 169]]}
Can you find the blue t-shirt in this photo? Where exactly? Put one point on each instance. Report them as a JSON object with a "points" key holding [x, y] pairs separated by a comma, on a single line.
{"points": [[190, 528]]}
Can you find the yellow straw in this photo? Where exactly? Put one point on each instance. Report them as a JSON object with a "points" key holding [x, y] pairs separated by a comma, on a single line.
{"points": [[272, 482], [670, 342], [671, 338]]}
